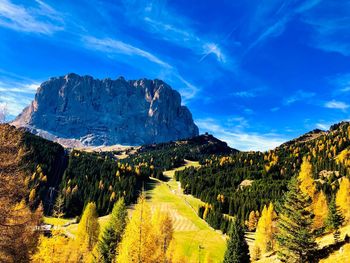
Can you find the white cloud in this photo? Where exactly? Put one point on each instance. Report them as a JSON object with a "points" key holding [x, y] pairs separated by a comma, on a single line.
{"points": [[188, 92], [19, 87], [300, 95], [341, 82], [274, 109], [271, 20], [323, 126], [212, 48], [245, 94], [17, 95], [333, 104], [330, 31], [239, 139], [42, 19], [174, 28], [113, 46]]}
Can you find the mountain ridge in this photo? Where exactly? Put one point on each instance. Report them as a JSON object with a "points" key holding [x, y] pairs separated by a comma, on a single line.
{"points": [[83, 110]]}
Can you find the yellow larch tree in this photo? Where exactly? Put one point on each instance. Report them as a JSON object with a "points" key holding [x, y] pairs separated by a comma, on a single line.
{"points": [[52, 249], [88, 232], [139, 241], [320, 210], [343, 198], [253, 220], [163, 226], [265, 231], [307, 183]]}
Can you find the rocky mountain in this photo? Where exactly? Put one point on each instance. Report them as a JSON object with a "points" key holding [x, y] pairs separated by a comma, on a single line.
{"points": [[88, 111]]}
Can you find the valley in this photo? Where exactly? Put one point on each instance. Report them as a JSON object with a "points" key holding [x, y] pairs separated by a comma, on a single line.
{"points": [[200, 184]]}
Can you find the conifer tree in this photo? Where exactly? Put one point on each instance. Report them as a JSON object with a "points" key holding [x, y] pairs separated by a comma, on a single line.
{"points": [[88, 231], [343, 198], [295, 237], [265, 231], [58, 207], [334, 220], [112, 234], [307, 183], [237, 248], [139, 240], [253, 220], [320, 210], [52, 249], [163, 226]]}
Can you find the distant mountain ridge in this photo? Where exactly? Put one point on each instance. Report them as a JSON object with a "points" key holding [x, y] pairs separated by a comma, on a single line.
{"points": [[81, 110]]}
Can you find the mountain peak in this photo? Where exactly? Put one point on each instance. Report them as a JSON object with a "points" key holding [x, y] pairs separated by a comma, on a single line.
{"points": [[107, 112]]}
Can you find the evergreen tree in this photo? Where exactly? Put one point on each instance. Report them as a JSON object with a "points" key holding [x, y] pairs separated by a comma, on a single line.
{"points": [[237, 248], [334, 220], [295, 238], [112, 234]]}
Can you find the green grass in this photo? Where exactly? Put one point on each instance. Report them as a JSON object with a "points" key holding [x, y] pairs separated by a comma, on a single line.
{"points": [[193, 235], [191, 232]]}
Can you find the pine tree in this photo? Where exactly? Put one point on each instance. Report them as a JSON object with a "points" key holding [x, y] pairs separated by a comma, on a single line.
{"points": [[295, 238], [88, 231], [334, 220], [343, 198], [237, 248], [112, 234]]}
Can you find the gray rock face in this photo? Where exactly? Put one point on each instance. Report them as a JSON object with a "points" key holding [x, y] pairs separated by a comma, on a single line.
{"points": [[108, 112]]}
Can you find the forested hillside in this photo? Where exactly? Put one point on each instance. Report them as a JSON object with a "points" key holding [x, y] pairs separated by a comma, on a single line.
{"points": [[41, 163], [243, 185], [246, 181]]}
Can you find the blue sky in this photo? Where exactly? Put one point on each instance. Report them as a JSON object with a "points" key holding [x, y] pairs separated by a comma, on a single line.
{"points": [[254, 73]]}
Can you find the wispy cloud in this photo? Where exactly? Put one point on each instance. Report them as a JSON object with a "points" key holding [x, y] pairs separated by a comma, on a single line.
{"points": [[333, 104], [341, 82], [176, 29], [17, 95], [19, 87], [41, 19], [113, 47], [273, 18], [244, 94], [212, 48], [188, 91], [274, 109], [330, 30], [239, 139], [300, 95], [323, 126]]}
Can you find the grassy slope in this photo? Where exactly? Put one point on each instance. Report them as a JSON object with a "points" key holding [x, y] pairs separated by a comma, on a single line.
{"points": [[191, 232]]}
